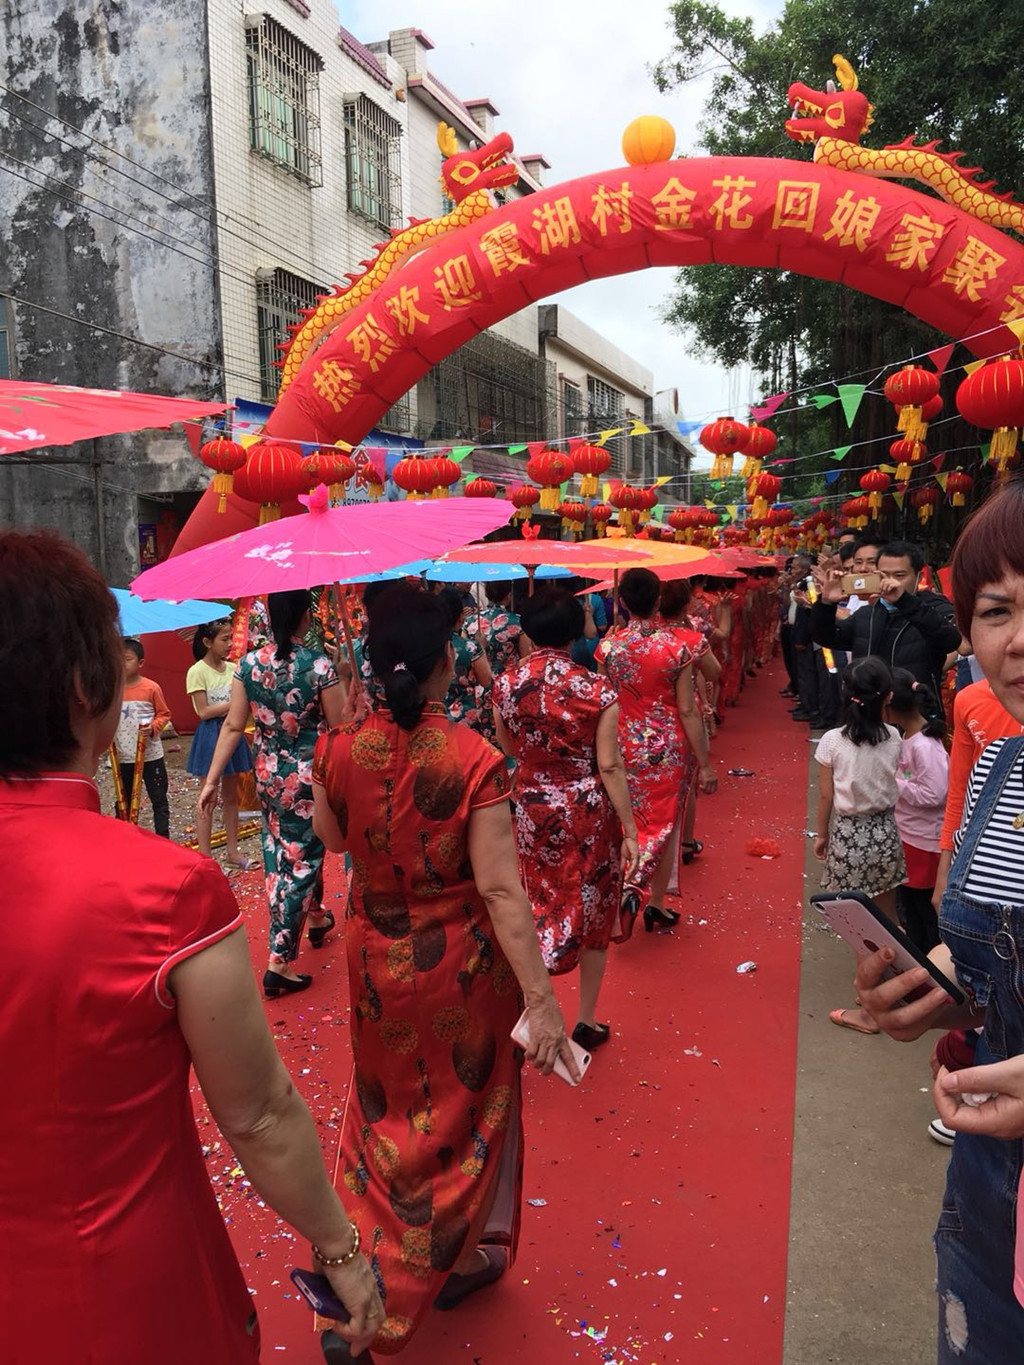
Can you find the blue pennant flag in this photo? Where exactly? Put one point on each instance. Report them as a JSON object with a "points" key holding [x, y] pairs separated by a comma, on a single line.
{"points": [[832, 474]]}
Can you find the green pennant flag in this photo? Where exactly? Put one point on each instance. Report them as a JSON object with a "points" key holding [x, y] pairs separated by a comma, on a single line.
{"points": [[985, 451], [822, 400], [459, 453], [717, 483], [561, 491], [516, 450], [840, 452], [850, 396], [658, 511]]}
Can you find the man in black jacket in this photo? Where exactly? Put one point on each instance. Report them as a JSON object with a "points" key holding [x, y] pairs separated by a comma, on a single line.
{"points": [[905, 628]]}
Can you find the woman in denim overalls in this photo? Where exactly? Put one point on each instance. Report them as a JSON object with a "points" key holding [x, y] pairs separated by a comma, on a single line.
{"points": [[981, 1321]]}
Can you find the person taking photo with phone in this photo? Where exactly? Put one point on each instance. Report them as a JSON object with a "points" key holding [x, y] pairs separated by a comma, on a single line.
{"points": [[905, 627]]}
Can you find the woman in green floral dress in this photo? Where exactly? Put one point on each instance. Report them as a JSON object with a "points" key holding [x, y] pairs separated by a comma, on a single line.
{"points": [[471, 681], [294, 696]]}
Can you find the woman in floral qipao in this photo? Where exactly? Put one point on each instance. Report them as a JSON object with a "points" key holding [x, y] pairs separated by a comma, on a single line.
{"points": [[471, 680], [574, 826], [498, 630], [662, 736], [294, 696]]}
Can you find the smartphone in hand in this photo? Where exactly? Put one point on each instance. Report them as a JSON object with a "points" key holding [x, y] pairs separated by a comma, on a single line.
{"points": [[521, 1035], [319, 1294]]}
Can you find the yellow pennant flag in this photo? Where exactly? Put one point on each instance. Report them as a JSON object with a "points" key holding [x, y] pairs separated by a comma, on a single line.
{"points": [[607, 435], [887, 468], [246, 441], [662, 478], [1017, 328], [973, 365], [708, 502], [733, 509], [640, 430], [606, 491], [940, 479]]}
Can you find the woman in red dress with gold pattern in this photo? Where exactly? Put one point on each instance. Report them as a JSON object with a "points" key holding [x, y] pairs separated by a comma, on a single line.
{"points": [[661, 734], [133, 967], [441, 951], [574, 826]]}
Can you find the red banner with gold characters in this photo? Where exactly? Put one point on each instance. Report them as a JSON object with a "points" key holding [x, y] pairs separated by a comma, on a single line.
{"points": [[880, 238]]}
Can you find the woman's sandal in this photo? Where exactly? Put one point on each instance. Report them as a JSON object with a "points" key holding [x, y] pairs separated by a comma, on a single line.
{"points": [[696, 848], [243, 864], [838, 1017], [318, 932], [459, 1287]]}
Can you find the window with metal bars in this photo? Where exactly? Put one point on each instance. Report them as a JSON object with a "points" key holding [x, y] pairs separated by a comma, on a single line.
{"points": [[490, 388], [284, 98], [604, 409], [398, 417], [573, 423], [372, 162], [6, 341], [281, 299]]}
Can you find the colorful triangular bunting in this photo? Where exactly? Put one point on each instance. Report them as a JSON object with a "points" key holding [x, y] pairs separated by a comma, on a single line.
{"points": [[850, 396], [840, 452]]}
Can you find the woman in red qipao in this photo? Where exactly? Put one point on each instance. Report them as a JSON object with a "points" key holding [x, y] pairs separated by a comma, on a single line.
{"points": [[695, 635], [441, 951], [132, 967], [574, 825], [661, 734]]}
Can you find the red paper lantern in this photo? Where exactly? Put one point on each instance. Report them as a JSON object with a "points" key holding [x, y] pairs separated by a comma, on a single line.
{"points": [[906, 453], [957, 484], [573, 514], [590, 462], [481, 488], [272, 474], [875, 483], [628, 500], [601, 515], [766, 488], [647, 501], [908, 390], [932, 409], [223, 457], [331, 467], [550, 469], [993, 397], [760, 443], [445, 473], [415, 474], [725, 439], [855, 512], [925, 501], [524, 499]]}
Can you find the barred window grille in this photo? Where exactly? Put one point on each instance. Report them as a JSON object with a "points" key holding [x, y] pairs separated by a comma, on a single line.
{"points": [[604, 409], [572, 409], [280, 301], [284, 99], [398, 417], [372, 162]]}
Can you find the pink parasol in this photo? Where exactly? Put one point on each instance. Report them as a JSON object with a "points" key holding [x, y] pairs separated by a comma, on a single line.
{"points": [[56, 414], [563, 554], [328, 545]]}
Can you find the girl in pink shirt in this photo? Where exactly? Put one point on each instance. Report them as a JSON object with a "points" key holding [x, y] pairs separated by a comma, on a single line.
{"points": [[923, 781]]}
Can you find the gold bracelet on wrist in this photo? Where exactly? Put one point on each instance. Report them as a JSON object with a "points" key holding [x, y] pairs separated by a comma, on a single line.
{"points": [[332, 1262]]}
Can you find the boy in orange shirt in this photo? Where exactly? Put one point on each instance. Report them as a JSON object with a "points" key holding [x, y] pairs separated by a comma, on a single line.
{"points": [[143, 707]]}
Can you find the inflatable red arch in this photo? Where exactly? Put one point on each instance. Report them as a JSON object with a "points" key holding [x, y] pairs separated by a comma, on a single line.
{"points": [[882, 238]]}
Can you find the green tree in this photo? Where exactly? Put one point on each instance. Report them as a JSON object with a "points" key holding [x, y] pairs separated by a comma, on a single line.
{"points": [[944, 69]]}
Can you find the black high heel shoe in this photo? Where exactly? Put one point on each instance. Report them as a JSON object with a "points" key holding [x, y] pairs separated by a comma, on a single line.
{"points": [[694, 848], [318, 932], [274, 984], [658, 915], [337, 1351]]}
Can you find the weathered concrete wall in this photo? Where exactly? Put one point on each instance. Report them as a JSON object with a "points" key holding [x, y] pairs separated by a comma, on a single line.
{"points": [[137, 257]]}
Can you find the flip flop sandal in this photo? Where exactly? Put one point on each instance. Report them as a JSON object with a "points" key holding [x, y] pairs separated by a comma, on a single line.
{"points": [[838, 1017]]}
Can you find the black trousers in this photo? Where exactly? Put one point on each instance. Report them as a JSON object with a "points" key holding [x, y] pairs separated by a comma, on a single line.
{"points": [[917, 914], [828, 692], [807, 679], [788, 652], [154, 775]]}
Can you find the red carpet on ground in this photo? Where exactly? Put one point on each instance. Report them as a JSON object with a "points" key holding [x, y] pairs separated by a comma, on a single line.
{"points": [[657, 1213]]}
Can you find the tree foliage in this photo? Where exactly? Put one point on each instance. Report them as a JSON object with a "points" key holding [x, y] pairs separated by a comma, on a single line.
{"points": [[945, 69]]}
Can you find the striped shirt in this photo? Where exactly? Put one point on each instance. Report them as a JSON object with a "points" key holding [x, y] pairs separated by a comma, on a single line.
{"points": [[996, 872]]}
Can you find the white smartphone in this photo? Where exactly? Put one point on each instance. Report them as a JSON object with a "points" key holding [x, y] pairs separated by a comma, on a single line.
{"points": [[858, 920], [521, 1035]]}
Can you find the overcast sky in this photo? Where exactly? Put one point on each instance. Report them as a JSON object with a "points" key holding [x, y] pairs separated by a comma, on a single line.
{"points": [[568, 76]]}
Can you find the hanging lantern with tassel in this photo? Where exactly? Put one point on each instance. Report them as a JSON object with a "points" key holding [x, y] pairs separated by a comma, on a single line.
{"points": [[958, 484], [272, 474], [993, 398], [330, 467], [924, 500], [647, 501], [875, 484], [766, 488], [627, 500], [760, 443], [445, 473], [550, 469], [224, 457], [574, 515], [908, 390], [600, 515], [590, 462], [524, 499], [725, 438], [678, 521], [415, 474], [906, 453], [480, 488]]}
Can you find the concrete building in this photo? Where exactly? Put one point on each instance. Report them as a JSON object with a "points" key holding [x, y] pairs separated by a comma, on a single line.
{"points": [[179, 184]]}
